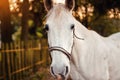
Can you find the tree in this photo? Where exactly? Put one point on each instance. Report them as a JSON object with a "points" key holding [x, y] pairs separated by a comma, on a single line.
{"points": [[102, 6], [100, 21], [6, 28], [25, 17], [38, 13]]}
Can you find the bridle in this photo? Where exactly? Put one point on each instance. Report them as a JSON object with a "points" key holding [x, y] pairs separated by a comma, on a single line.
{"points": [[57, 48]]}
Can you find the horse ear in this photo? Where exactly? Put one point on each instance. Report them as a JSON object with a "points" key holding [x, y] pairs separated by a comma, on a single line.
{"points": [[70, 4], [48, 4]]}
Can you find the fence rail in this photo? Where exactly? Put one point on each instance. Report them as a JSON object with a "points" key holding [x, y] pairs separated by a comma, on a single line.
{"points": [[18, 50], [19, 59]]}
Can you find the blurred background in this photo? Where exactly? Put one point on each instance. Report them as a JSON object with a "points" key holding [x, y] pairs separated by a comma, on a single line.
{"points": [[23, 42]]}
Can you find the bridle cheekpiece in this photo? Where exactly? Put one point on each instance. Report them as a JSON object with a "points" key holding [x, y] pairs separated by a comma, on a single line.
{"points": [[57, 48]]}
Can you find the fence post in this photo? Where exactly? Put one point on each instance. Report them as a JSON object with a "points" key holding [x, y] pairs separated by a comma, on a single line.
{"points": [[22, 58], [12, 60], [4, 62], [8, 61], [0, 36], [44, 51]]}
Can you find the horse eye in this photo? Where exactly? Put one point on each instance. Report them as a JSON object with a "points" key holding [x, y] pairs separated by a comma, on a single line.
{"points": [[72, 26], [46, 27]]}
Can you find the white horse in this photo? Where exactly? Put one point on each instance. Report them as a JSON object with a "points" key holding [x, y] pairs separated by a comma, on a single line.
{"points": [[76, 51]]}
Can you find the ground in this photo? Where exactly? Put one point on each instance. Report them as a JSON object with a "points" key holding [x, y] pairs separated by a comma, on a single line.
{"points": [[42, 74]]}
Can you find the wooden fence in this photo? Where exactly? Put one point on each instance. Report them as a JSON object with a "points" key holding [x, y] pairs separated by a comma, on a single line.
{"points": [[17, 62]]}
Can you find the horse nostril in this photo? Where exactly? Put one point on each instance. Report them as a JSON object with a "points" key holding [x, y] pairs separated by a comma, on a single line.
{"points": [[66, 70], [52, 71]]}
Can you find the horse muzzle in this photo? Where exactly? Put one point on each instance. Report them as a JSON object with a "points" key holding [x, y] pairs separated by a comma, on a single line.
{"points": [[61, 75], [60, 72]]}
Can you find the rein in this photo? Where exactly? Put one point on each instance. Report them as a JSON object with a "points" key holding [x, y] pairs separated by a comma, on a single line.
{"points": [[57, 48]]}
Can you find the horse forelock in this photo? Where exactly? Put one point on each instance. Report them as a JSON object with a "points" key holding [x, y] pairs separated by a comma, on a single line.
{"points": [[57, 11]]}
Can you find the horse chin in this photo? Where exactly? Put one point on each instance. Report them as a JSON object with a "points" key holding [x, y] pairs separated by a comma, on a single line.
{"points": [[60, 77]]}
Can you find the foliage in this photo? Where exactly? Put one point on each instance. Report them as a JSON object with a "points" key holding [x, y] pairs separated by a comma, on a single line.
{"points": [[37, 15], [100, 21], [16, 35], [106, 26], [102, 6], [5, 26], [35, 20]]}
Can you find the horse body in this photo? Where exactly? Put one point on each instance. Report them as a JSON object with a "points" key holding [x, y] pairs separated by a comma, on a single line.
{"points": [[95, 57], [113, 43], [77, 51]]}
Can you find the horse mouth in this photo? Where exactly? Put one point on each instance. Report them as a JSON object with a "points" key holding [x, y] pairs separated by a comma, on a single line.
{"points": [[60, 77]]}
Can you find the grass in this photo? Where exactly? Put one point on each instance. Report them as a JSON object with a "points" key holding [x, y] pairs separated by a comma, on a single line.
{"points": [[41, 74]]}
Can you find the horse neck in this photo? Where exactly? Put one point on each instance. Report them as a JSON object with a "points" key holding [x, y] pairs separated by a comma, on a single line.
{"points": [[79, 44], [81, 30]]}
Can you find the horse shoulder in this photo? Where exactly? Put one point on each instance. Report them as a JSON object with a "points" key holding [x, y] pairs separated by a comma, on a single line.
{"points": [[115, 38], [113, 43], [93, 62]]}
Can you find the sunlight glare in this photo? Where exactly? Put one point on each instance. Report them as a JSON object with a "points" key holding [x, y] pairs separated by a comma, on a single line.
{"points": [[13, 5], [114, 13]]}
